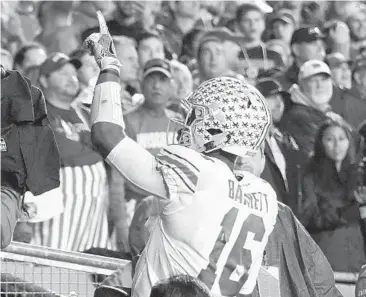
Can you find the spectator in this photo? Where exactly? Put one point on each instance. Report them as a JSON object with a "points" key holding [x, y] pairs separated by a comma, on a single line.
{"points": [[83, 224], [129, 79], [29, 55], [306, 44], [357, 25], [212, 54], [283, 49], [341, 10], [250, 22], [282, 169], [181, 19], [131, 19], [6, 59], [126, 52], [84, 12], [341, 71], [89, 69], [311, 108], [148, 124], [183, 84], [190, 45], [295, 7], [180, 286], [150, 12], [328, 208], [353, 106], [282, 24], [57, 35], [87, 76], [149, 46], [188, 54], [313, 12]]}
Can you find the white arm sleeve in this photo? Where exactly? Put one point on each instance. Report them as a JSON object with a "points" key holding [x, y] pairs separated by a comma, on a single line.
{"points": [[138, 166]]}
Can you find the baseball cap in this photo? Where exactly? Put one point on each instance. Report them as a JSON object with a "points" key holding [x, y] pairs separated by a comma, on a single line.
{"points": [[306, 34], [55, 61], [336, 59], [157, 65], [219, 35], [269, 86], [283, 15], [313, 67]]}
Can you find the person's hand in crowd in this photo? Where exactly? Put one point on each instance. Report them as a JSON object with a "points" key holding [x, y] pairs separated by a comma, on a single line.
{"points": [[360, 195], [340, 33]]}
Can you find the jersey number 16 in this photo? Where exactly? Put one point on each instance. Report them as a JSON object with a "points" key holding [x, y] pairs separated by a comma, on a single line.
{"points": [[238, 254]]}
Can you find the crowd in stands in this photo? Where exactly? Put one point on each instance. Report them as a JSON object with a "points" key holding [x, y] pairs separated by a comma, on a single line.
{"points": [[308, 59]]}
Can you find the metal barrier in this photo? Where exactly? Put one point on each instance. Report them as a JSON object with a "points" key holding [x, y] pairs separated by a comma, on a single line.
{"points": [[345, 277], [28, 270]]}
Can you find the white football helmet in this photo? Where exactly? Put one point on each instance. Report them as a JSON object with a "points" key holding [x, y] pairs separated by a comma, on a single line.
{"points": [[225, 113]]}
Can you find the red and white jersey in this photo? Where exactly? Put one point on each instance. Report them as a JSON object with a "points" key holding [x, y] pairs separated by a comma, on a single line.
{"points": [[211, 227]]}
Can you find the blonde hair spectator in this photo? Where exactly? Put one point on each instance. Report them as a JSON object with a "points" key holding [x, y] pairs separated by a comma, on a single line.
{"points": [[182, 79]]}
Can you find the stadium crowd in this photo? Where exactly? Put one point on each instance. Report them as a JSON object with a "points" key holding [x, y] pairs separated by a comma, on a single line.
{"points": [[307, 58]]}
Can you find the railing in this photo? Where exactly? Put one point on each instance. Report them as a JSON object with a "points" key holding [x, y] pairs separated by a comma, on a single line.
{"points": [[28, 270], [345, 277], [41, 271]]}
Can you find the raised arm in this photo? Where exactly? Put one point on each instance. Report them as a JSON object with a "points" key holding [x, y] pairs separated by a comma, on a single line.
{"points": [[134, 162]]}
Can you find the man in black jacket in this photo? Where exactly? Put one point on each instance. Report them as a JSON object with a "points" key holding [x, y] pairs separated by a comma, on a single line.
{"points": [[282, 169]]}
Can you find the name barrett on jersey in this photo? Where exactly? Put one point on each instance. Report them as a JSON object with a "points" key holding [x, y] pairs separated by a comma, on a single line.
{"points": [[257, 201]]}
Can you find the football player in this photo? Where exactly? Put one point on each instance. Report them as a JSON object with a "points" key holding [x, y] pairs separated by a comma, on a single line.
{"points": [[210, 225]]}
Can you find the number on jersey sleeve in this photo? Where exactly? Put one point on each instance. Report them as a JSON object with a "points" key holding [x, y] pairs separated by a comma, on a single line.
{"points": [[240, 257]]}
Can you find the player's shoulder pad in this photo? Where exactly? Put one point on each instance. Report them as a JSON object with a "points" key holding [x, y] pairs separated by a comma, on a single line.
{"points": [[183, 163]]}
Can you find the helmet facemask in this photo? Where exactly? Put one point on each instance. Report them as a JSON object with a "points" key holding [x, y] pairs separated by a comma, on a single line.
{"points": [[196, 134]]}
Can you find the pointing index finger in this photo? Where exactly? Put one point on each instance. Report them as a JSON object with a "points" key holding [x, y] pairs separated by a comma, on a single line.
{"points": [[103, 29]]}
